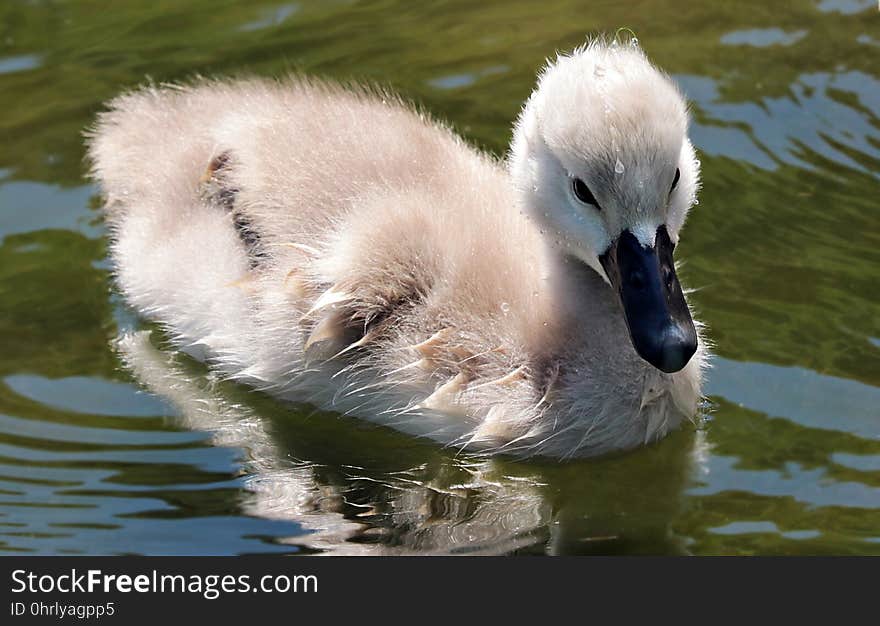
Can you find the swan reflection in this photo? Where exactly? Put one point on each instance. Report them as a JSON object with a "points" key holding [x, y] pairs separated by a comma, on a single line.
{"points": [[358, 489]]}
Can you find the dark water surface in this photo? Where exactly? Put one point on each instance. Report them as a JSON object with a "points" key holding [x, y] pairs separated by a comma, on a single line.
{"points": [[784, 246]]}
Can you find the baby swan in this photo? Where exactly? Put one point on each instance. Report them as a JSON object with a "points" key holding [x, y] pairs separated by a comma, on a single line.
{"points": [[334, 246]]}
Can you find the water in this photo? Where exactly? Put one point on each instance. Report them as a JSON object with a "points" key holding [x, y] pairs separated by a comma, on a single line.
{"points": [[783, 246]]}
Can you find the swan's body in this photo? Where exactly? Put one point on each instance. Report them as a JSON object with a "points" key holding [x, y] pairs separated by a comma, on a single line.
{"points": [[336, 247]]}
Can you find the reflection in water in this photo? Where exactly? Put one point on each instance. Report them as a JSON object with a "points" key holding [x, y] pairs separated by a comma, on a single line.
{"points": [[351, 501], [763, 37], [811, 118], [800, 395], [847, 7], [41, 207], [19, 63], [271, 17]]}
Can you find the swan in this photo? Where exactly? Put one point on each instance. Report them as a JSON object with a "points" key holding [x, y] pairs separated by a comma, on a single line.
{"points": [[336, 246]]}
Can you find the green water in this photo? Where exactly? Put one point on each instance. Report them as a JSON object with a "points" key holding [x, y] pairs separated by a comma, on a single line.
{"points": [[784, 246]]}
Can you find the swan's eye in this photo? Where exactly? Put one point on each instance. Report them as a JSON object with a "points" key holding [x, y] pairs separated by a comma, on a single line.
{"points": [[582, 192], [675, 180]]}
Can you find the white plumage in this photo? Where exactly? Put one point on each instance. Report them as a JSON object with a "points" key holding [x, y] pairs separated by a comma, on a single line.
{"points": [[335, 246]]}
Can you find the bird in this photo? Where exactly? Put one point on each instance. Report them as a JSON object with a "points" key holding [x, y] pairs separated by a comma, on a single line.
{"points": [[337, 246]]}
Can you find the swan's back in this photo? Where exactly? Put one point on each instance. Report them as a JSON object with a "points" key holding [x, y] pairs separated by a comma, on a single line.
{"points": [[294, 139]]}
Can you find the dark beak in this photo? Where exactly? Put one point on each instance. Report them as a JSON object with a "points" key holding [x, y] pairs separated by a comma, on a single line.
{"points": [[659, 322]]}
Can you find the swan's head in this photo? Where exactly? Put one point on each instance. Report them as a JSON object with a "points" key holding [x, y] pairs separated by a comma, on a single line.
{"points": [[602, 161]]}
